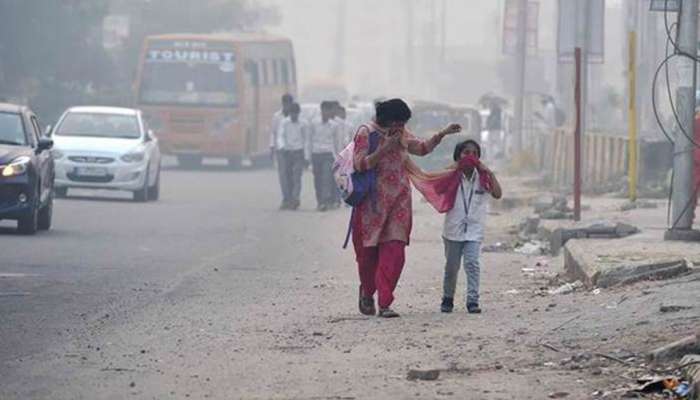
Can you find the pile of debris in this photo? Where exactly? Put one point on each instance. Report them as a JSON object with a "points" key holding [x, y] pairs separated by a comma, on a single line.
{"points": [[554, 207]]}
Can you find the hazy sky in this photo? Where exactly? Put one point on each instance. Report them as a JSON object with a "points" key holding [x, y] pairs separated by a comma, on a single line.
{"points": [[375, 57]]}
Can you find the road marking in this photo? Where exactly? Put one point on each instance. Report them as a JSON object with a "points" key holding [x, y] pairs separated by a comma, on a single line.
{"points": [[16, 275]]}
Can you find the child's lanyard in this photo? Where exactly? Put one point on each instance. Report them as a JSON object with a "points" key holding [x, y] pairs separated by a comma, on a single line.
{"points": [[467, 205]]}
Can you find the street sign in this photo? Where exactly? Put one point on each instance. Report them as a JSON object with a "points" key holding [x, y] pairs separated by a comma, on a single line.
{"points": [[573, 27], [665, 5], [510, 27]]}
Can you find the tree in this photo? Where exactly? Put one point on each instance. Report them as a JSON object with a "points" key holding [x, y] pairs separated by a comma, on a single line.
{"points": [[50, 49]]}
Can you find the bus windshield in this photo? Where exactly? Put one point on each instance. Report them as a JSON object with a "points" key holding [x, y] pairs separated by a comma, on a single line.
{"points": [[189, 77]]}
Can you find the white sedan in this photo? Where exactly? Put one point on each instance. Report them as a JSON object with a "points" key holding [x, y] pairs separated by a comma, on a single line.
{"points": [[106, 148]]}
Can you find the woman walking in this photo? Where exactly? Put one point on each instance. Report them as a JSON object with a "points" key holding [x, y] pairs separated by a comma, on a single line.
{"points": [[382, 223]]}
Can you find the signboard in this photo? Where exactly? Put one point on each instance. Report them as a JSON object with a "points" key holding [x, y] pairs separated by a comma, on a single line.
{"points": [[665, 5], [192, 52], [573, 27], [510, 27]]}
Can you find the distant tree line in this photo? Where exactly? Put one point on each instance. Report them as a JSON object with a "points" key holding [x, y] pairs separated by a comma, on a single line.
{"points": [[52, 56]]}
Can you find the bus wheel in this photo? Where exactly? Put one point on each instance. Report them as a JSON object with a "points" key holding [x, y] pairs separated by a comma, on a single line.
{"points": [[189, 161], [234, 162]]}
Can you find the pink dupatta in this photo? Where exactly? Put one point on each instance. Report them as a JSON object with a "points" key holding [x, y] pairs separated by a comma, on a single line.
{"points": [[440, 188]]}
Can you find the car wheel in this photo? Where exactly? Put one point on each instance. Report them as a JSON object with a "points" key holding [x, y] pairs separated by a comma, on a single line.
{"points": [[154, 191], [29, 224], [60, 192], [189, 161], [45, 215], [141, 195]]}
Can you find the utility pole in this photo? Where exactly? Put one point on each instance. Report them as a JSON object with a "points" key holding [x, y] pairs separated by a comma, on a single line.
{"points": [[520, 65], [408, 9], [683, 202], [443, 33], [338, 64]]}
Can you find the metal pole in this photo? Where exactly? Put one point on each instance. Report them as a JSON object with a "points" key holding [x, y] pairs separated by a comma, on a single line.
{"points": [[410, 72], [683, 190], [632, 114], [338, 64], [443, 29], [521, 58], [577, 137]]}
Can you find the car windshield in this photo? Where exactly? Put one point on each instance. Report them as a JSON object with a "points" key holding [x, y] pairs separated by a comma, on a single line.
{"points": [[100, 125], [12, 129]]}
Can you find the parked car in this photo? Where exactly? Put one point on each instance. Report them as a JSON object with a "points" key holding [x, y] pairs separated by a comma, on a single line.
{"points": [[106, 148], [26, 170]]}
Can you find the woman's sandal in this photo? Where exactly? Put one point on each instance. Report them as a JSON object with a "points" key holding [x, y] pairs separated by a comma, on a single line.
{"points": [[388, 313], [366, 304]]}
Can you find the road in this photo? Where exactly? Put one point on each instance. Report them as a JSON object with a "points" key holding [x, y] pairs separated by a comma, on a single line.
{"points": [[212, 292]]}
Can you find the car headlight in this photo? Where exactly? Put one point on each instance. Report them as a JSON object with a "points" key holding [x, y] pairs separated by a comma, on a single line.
{"points": [[57, 154], [136, 156], [17, 167]]}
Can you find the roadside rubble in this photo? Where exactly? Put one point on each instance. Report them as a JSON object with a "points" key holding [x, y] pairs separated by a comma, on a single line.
{"points": [[598, 263], [533, 228]]}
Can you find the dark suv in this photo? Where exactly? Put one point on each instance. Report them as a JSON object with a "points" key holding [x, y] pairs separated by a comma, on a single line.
{"points": [[26, 170]]}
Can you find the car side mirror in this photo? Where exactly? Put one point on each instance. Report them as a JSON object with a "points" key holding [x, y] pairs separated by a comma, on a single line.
{"points": [[48, 130], [44, 144], [149, 136]]}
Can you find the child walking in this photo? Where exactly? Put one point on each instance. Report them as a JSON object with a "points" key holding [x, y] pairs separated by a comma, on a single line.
{"points": [[463, 230]]}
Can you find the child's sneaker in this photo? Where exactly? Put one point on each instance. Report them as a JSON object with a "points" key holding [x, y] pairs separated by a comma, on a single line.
{"points": [[473, 308], [447, 305]]}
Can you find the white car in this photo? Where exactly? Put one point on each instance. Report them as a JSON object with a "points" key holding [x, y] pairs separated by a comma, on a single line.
{"points": [[106, 148]]}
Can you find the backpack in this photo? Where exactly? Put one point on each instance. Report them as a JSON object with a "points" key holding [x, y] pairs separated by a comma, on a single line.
{"points": [[354, 186]]}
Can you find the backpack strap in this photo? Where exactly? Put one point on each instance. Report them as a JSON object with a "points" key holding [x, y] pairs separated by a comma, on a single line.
{"points": [[347, 236]]}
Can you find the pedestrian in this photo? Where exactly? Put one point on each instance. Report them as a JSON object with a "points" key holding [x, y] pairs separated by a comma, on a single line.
{"points": [[463, 230], [324, 143], [287, 101], [496, 133], [346, 129], [292, 155], [381, 224]]}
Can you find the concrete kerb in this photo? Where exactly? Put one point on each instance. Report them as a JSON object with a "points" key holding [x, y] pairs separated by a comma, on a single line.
{"points": [[557, 232], [607, 263]]}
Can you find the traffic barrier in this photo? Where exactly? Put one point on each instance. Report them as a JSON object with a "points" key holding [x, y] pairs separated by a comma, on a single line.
{"points": [[604, 158]]}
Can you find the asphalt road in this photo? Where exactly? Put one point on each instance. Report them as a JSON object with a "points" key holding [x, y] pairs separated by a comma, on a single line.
{"points": [[106, 255]]}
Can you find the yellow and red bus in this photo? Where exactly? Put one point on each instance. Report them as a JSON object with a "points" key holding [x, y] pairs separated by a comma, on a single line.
{"points": [[214, 95]]}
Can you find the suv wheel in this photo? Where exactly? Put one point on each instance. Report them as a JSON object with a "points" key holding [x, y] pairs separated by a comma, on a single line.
{"points": [[29, 224], [46, 215]]}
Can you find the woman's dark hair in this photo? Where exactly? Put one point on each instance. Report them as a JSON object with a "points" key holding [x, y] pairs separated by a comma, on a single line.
{"points": [[462, 145], [394, 110]]}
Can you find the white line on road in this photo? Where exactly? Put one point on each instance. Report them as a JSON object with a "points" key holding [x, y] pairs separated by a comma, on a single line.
{"points": [[16, 275]]}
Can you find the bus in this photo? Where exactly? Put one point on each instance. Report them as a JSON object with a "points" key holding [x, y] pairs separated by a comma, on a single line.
{"points": [[214, 95]]}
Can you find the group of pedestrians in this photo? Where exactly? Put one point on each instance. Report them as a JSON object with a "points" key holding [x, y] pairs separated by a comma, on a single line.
{"points": [[298, 143], [381, 224]]}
